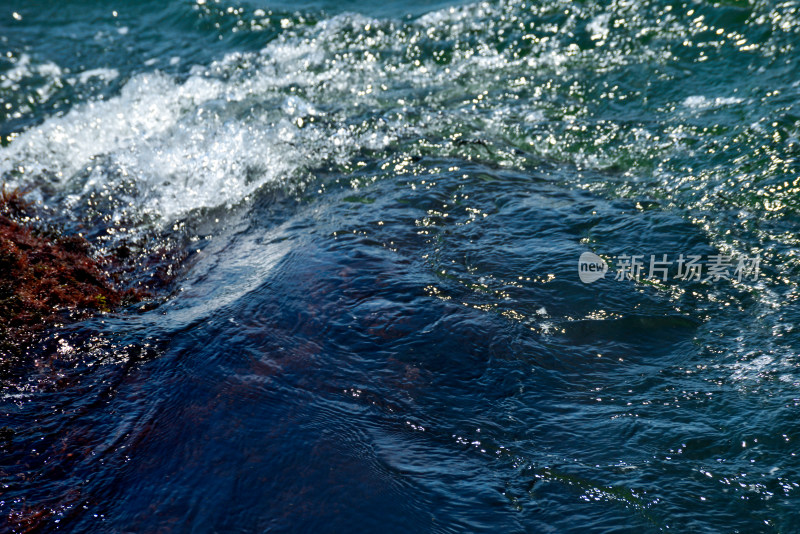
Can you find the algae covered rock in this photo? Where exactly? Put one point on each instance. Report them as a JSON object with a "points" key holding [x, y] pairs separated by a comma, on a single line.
{"points": [[46, 278]]}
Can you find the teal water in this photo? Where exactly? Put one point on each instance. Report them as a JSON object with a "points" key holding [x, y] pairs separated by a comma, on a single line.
{"points": [[362, 225]]}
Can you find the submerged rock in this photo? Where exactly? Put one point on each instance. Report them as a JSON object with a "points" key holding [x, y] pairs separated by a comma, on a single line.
{"points": [[46, 278]]}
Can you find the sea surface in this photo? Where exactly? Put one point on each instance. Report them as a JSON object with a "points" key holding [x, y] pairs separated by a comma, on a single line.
{"points": [[360, 224]]}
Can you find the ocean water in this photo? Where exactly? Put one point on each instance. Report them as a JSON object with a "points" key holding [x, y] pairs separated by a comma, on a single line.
{"points": [[361, 225]]}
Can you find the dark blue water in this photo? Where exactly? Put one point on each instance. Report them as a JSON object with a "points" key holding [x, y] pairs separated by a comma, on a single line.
{"points": [[362, 224]]}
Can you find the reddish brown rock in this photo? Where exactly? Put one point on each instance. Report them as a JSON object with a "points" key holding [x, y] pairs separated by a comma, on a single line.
{"points": [[46, 278]]}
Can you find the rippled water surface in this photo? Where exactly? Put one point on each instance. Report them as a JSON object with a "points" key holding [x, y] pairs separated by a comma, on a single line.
{"points": [[365, 221]]}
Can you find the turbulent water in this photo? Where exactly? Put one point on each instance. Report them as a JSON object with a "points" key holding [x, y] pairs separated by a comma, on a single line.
{"points": [[368, 220]]}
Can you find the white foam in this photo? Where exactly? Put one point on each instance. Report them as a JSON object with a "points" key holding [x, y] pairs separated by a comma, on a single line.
{"points": [[209, 141], [700, 102], [24, 68], [598, 26], [751, 369], [103, 74], [313, 96], [149, 105]]}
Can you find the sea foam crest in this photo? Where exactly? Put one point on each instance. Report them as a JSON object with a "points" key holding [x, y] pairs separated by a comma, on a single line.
{"points": [[209, 140]]}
